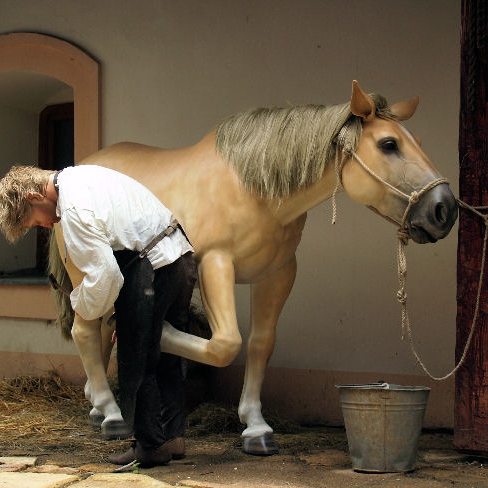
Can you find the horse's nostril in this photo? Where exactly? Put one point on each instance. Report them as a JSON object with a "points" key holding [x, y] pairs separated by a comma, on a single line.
{"points": [[441, 213]]}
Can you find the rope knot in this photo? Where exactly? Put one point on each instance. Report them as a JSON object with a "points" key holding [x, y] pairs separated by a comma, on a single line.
{"points": [[402, 296], [414, 197], [403, 235]]}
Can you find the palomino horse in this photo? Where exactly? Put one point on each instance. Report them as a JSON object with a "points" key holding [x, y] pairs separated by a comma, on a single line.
{"points": [[242, 193]]}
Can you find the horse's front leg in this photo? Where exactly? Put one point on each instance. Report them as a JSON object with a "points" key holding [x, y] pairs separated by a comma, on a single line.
{"points": [[88, 340], [267, 300], [216, 281]]}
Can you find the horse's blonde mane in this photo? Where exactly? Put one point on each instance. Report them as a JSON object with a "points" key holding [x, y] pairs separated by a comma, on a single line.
{"points": [[276, 151]]}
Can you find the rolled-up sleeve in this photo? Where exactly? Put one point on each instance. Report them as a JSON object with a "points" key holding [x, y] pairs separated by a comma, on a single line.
{"points": [[90, 251]]}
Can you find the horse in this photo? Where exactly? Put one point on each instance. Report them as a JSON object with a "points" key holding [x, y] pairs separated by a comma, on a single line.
{"points": [[241, 194]]}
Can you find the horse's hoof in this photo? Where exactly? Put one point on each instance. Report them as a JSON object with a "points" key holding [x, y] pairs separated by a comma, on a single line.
{"points": [[263, 445], [116, 429], [96, 421]]}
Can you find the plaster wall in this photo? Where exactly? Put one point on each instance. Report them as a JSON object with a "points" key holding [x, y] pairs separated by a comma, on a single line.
{"points": [[17, 146], [172, 70]]}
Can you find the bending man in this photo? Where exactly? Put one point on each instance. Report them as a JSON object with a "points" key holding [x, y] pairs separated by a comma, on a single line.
{"points": [[107, 219]]}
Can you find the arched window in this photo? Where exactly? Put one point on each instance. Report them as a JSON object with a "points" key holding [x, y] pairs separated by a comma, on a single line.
{"points": [[39, 71]]}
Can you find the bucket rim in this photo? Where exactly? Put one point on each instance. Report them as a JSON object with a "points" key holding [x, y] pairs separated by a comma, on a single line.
{"points": [[383, 386]]}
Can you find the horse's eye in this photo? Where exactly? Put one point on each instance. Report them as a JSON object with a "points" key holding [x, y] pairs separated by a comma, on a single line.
{"points": [[389, 145]]}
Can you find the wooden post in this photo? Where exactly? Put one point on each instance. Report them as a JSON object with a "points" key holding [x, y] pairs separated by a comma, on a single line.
{"points": [[471, 400]]}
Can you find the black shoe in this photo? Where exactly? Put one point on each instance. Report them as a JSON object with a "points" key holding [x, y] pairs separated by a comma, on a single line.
{"points": [[176, 448], [124, 457], [149, 458]]}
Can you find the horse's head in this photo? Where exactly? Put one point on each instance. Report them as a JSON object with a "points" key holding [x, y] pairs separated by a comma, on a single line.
{"points": [[389, 172]]}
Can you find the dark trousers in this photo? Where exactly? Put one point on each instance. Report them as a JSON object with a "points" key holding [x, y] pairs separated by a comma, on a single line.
{"points": [[151, 382]]}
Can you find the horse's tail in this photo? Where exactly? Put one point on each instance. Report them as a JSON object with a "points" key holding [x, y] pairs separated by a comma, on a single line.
{"points": [[65, 314]]}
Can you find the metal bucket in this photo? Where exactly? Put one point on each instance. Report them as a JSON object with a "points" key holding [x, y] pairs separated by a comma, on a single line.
{"points": [[383, 425]]}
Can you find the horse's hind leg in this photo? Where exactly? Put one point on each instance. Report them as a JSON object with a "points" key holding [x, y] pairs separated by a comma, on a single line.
{"points": [[267, 300], [93, 347], [106, 333], [88, 340]]}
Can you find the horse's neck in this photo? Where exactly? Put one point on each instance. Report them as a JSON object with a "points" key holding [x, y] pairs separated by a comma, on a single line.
{"points": [[290, 208]]}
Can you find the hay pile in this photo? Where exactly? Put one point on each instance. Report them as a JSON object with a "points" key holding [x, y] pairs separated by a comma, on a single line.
{"points": [[45, 414]]}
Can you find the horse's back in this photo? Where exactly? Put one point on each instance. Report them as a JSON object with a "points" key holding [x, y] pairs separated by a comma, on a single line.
{"points": [[166, 172], [206, 196], [131, 157]]}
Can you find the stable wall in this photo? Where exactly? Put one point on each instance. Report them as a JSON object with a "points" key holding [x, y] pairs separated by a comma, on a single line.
{"points": [[171, 71]]}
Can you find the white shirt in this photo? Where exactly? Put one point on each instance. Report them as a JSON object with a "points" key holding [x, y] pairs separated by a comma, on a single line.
{"points": [[102, 211]]}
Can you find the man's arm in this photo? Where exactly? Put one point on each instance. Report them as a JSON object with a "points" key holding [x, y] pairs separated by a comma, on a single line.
{"points": [[89, 249]]}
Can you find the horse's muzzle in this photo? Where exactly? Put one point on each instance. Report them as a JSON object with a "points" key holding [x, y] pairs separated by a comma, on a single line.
{"points": [[433, 216]]}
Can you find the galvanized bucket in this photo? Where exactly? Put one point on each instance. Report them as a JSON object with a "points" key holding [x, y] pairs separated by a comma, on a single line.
{"points": [[383, 425]]}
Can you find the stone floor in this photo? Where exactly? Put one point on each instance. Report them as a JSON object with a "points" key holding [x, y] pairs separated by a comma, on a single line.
{"points": [[217, 461]]}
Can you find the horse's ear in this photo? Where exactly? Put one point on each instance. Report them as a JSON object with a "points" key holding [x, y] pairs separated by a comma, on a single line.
{"points": [[362, 104], [404, 110]]}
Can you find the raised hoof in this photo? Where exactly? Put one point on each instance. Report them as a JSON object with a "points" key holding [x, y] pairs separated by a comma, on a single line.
{"points": [[263, 445], [116, 429]]}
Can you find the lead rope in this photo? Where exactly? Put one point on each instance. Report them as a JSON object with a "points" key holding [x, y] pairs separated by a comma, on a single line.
{"points": [[403, 238], [402, 297]]}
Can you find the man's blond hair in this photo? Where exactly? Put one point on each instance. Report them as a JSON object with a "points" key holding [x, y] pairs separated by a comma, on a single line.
{"points": [[14, 206]]}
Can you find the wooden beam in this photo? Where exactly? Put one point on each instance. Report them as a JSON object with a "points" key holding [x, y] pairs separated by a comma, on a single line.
{"points": [[471, 386]]}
